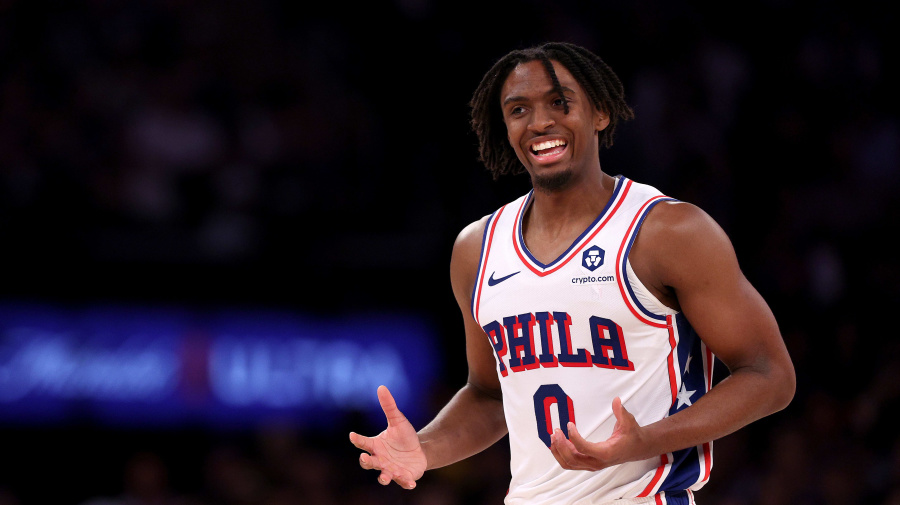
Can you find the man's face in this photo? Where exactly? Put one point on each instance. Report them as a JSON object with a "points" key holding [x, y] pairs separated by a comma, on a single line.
{"points": [[554, 147]]}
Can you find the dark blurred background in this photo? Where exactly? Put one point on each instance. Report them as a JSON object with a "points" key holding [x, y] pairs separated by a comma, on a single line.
{"points": [[316, 159]]}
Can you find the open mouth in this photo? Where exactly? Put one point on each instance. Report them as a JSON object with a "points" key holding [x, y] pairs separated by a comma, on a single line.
{"points": [[548, 149]]}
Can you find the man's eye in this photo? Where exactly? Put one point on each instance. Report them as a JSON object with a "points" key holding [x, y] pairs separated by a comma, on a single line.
{"points": [[515, 111], [559, 102]]}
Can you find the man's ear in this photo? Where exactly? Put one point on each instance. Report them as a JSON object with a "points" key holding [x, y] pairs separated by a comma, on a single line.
{"points": [[601, 120]]}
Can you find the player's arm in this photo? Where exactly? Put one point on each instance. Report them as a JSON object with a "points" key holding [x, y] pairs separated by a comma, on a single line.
{"points": [[687, 256], [473, 419]]}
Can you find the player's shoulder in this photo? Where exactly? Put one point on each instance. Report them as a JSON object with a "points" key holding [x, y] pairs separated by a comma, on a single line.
{"points": [[674, 220], [678, 245], [682, 241], [470, 238], [466, 257]]}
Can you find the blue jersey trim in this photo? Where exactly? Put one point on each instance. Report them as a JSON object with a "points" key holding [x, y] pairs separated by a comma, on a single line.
{"points": [[620, 183], [484, 246], [658, 317]]}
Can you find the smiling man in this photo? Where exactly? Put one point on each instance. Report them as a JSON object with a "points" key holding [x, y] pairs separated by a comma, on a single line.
{"points": [[594, 307]]}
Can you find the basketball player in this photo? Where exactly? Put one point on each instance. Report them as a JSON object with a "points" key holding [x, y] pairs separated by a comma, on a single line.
{"points": [[594, 306]]}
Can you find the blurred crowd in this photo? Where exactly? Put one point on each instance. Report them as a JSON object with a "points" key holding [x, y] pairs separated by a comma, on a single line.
{"points": [[319, 155]]}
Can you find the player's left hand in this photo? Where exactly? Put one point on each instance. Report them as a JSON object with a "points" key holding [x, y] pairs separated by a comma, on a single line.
{"points": [[625, 444]]}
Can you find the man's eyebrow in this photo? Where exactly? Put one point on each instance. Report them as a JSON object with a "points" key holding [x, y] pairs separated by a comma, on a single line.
{"points": [[511, 99], [550, 92]]}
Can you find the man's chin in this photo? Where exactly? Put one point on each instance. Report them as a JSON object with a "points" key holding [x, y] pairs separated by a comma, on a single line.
{"points": [[551, 183]]}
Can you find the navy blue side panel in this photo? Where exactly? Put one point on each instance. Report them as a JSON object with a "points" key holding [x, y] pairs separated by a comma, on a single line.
{"points": [[685, 470], [678, 498]]}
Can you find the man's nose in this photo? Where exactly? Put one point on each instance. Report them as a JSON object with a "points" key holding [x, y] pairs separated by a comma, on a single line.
{"points": [[541, 121]]}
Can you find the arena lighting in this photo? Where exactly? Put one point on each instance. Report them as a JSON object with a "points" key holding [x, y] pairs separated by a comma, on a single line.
{"points": [[147, 365]]}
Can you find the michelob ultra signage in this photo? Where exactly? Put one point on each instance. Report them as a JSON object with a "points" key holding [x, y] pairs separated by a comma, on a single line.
{"points": [[152, 365]]}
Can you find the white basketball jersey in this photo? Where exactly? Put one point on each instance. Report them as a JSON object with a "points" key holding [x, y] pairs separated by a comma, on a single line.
{"points": [[571, 335]]}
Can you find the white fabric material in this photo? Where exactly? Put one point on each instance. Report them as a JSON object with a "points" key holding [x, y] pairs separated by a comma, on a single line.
{"points": [[590, 298]]}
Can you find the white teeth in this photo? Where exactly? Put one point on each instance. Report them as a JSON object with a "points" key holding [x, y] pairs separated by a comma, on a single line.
{"points": [[547, 145]]}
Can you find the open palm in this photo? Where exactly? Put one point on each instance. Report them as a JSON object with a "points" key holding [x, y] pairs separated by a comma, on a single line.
{"points": [[396, 451]]}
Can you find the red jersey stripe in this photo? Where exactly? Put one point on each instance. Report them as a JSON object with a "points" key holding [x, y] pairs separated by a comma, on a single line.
{"points": [[576, 247], [487, 253]]}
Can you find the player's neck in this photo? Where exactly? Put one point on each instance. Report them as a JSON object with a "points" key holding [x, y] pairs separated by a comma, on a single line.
{"points": [[582, 200]]}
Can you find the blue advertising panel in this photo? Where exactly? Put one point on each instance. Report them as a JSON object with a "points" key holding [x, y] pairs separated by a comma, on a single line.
{"points": [[132, 365]]}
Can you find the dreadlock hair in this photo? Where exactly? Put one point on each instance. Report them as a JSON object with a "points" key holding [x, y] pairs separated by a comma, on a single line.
{"points": [[596, 77]]}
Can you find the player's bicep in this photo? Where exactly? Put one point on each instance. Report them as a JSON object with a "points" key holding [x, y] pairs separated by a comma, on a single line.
{"points": [[726, 311], [480, 357], [734, 321]]}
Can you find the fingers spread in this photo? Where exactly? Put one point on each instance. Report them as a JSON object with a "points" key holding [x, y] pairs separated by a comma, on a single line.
{"points": [[405, 483], [390, 474], [389, 406], [369, 462], [361, 442]]}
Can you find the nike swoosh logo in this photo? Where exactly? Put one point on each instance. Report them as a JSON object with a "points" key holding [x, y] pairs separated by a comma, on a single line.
{"points": [[493, 282]]}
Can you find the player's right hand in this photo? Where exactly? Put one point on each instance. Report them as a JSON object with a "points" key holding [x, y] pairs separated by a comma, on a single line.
{"points": [[625, 444], [396, 451]]}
